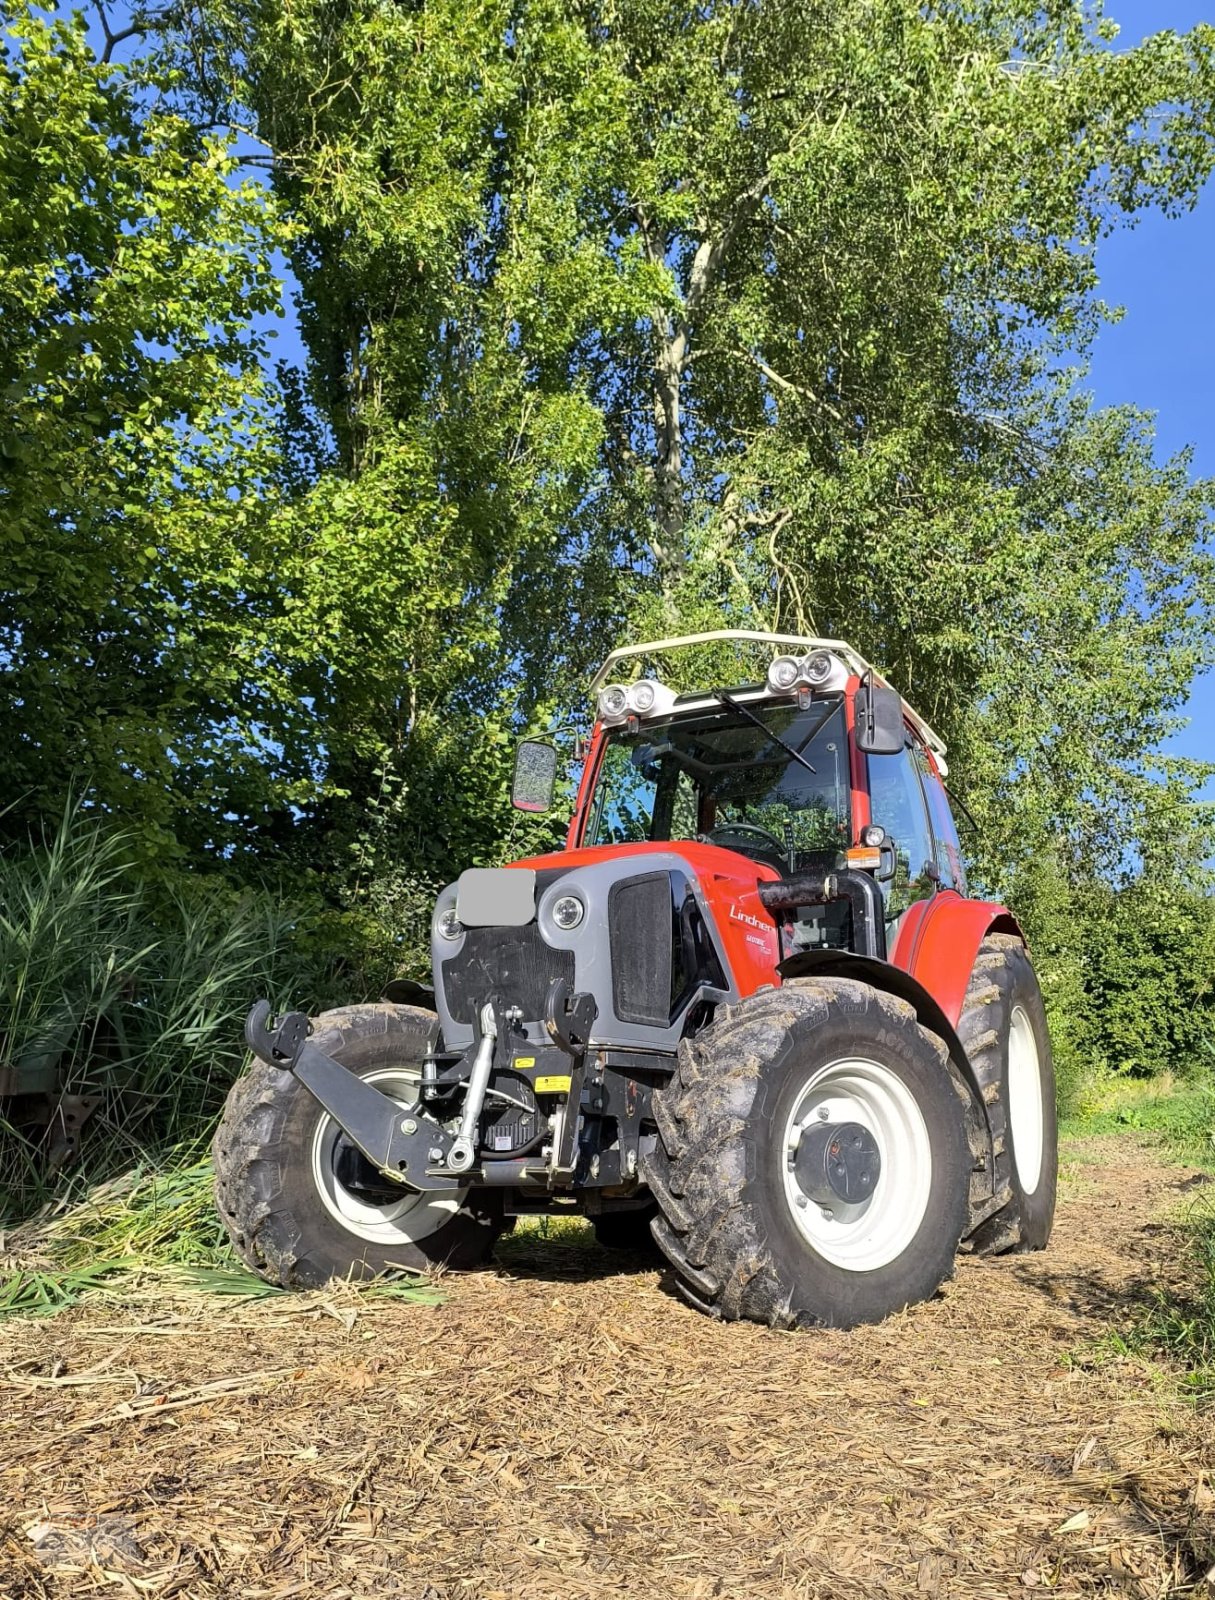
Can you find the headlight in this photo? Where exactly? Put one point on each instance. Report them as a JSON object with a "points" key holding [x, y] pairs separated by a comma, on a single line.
{"points": [[783, 673], [613, 702], [568, 912], [448, 924], [641, 696]]}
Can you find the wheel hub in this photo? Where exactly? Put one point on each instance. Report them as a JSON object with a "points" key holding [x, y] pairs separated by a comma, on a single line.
{"points": [[838, 1162]]}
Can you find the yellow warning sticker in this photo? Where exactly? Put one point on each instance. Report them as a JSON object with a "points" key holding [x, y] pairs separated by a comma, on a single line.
{"points": [[521, 1063], [553, 1085]]}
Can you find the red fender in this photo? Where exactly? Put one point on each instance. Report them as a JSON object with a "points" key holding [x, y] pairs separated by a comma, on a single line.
{"points": [[939, 939]]}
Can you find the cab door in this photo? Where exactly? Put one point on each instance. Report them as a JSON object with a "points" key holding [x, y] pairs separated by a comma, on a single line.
{"points": [[897, 802]]}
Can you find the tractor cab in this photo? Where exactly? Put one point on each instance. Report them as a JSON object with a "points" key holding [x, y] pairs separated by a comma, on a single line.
{"points": [[820, 769]]}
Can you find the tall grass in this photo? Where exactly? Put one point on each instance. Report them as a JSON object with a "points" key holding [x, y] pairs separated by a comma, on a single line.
{"points": [[130, 996], [1175, 1115], [148, 1232], [1178, 1325]]}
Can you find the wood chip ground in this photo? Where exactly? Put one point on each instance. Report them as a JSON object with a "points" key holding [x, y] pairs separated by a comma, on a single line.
{"points": [[564, 1428]]}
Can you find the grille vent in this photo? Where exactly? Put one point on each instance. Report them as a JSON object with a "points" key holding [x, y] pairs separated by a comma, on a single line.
{"points": [[640, 936], [514, 963]]}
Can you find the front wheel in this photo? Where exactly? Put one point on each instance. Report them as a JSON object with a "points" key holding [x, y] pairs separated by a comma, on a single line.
{"points": [[812, 1165], [300, 1203]]}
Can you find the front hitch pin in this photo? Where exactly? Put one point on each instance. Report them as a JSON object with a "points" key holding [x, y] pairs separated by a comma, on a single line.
{"points": [[460, 1157]]}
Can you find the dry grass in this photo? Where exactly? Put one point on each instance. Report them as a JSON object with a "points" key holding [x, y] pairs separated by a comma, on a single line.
{"points": [[563, 1428]]}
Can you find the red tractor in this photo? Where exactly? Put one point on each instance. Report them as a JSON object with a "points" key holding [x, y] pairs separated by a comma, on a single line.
{"points": [[749, 1012]]}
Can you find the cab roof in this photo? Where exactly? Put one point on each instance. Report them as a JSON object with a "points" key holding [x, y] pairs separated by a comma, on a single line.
{"points": [[852, 659]]}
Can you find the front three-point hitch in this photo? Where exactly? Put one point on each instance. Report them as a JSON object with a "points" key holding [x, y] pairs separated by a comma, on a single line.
{"points": [[399, 1141], [408, 1143]]}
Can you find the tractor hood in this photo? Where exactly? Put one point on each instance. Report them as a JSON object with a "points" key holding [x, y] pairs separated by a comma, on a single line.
{"points": [[648, 930], [709, 860]]}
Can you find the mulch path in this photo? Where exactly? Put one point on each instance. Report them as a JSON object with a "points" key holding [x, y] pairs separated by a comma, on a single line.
{"points": [[564, 1428]]}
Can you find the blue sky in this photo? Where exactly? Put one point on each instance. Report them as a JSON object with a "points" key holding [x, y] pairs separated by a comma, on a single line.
{"points": [[1161, 356]]}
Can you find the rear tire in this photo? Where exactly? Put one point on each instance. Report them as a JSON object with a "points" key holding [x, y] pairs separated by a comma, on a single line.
{"points": [[744, 1238], [1004, 1033], [288, 1216]]}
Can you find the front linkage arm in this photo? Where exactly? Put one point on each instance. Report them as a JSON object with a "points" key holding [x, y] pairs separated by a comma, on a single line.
{"points": [[402, 1143]]}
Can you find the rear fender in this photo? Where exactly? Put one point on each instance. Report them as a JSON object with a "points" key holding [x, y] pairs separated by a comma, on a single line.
{"points": [[404, 992], [939, 942]]}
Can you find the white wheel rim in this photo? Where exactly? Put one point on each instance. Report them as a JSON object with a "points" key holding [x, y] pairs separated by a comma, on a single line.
{"points": [[1026, 1114], [414, 1216], [862, 1238]]}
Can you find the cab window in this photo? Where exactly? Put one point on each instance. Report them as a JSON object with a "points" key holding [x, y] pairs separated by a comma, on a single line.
{"points": [[773, 784], [948, 849], [896, 801]]}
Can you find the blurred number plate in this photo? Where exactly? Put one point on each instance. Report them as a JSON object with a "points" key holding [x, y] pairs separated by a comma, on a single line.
{"points": [[496, 897]]}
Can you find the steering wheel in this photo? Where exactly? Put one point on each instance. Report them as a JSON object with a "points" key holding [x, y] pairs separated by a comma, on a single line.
{"points": [[768, 841]]}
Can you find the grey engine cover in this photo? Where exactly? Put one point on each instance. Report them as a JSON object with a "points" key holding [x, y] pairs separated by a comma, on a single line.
{"points": [[588, 943]]}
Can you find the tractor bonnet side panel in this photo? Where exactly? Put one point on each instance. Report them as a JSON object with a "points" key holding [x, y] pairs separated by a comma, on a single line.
{"points": [[939, 940]]}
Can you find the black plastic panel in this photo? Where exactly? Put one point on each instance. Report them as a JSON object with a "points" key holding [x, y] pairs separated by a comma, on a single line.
{"points": [[640, 935], [694, 958], [513, 963]]}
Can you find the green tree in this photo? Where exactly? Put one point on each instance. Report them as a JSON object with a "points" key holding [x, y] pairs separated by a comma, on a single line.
{"points": [[624, 313], [136, 459]]}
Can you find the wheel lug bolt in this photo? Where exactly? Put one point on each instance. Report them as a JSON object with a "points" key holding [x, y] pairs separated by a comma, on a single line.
{"points": [[827, 1215], [823, 1113], [802, 1202]]}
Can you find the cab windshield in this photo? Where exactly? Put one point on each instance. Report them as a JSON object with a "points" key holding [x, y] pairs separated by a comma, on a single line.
{"points": [[720, 778]]}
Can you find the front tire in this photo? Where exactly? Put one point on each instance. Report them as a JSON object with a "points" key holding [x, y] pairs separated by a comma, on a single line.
{"points": [[1004, 1033], [277, 1184], [736, 1222]]}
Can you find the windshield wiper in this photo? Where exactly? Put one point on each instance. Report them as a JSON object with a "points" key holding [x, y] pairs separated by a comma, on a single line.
{"points": [[745, 711]]}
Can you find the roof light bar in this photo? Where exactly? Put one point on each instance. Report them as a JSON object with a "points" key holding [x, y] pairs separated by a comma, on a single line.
{"points": [[839, 648]]}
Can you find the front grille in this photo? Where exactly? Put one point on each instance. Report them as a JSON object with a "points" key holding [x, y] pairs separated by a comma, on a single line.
{"points": [[640, 935], [513, 963]]}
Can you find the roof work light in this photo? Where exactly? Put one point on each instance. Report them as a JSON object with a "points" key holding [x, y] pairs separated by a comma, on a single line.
{"points": [[645, 698], [820, 670]]}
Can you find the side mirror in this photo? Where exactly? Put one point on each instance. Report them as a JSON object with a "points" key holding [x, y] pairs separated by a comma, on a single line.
{"points": [[535, 776], [879, 720]]}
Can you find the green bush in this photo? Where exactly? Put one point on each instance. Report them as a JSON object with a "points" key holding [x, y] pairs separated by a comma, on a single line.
{"points": [[129, 993], [1128, 975]]}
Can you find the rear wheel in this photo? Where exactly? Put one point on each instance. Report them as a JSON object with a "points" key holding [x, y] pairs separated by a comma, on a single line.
{"points": [[300, 1203], [812, 1164], [1003, 1030]]}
